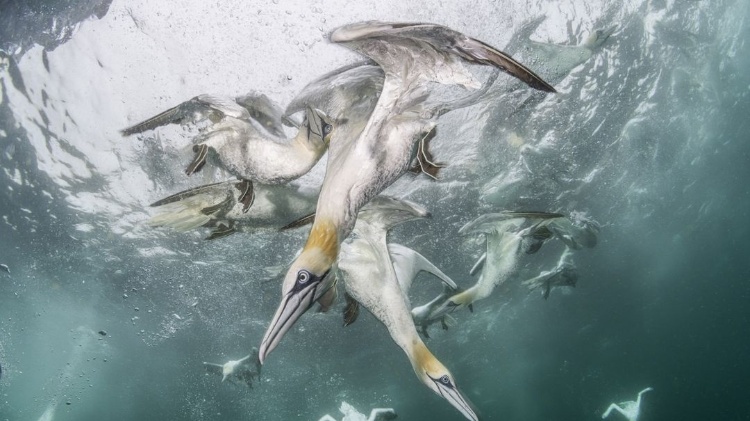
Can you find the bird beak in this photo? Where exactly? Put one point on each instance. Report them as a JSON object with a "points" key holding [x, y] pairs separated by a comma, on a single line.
{"points": [[317, 124], [295, 302], [450, 393]]}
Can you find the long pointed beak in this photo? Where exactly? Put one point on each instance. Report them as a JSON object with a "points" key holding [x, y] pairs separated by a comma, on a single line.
{"points": [[313, 123], [451, 394], [293, 305]]}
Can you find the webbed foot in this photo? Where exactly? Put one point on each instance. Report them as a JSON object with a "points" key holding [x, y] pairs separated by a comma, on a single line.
{"points": [[201, 151], [425, 163], [247, 194], [351, 312]]}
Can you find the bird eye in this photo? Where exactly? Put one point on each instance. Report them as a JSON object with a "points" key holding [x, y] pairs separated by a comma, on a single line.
{"points": [[327, 129], [302, 277], [445, 380]]}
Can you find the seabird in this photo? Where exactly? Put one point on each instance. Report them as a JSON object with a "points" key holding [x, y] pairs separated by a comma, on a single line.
{"points": [[369, 277], [242, 370], [351, 414], [245, 139], [413, 56], [218, 206], [629, 409], [505, 236], [564, 274]]}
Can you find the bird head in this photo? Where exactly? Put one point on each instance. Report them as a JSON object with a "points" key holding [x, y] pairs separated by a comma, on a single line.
{"points": [[305, 282], [437, 377], [319, 127]]}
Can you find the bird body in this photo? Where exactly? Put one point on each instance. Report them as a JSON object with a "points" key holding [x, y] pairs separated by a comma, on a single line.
{"points": [[413, 57], [370, 279]]}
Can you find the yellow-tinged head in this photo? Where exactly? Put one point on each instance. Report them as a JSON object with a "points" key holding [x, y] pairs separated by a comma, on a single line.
{"points": [[437, 377], [305, 282]]}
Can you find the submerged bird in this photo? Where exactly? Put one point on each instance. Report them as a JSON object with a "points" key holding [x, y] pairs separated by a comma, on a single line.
{"points": [[218, 206], [244, 370], [629, 409], [560, 60], [5, 268], [508, 234], [351, 414], [413, 56], [505, 235], [564, 274], [246, 139], [424, 315], [369, 277]]}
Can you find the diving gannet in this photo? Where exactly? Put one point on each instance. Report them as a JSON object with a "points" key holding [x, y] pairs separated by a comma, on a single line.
{"points": [[427, 314], [351, 414], [505, 234], [5, 268], [245, 139], [629, 409], [564, 274], [413, 56], [369, 277], [218, 206], [242, 370]]}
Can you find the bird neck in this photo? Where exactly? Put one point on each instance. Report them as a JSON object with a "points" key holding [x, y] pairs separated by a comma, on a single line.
{"points": [[303, 144], [323, 239], [422, 360]]}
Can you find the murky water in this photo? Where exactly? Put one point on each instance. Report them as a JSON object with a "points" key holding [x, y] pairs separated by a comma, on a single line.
{"points": [[647, 135]]}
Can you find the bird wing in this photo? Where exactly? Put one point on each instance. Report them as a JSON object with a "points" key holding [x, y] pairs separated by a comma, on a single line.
{"points": [[190, 111], [446, 44]]}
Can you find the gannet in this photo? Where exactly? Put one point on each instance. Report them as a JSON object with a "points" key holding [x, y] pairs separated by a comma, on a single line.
{"points": [[369, 277], [564, 274], [245, 139], [629, 409], [238, 370], [424, 315], [351, 414], [412, 57], [508, 234], [559, 60], [5, 268], [505, 234], [218, 206]]}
